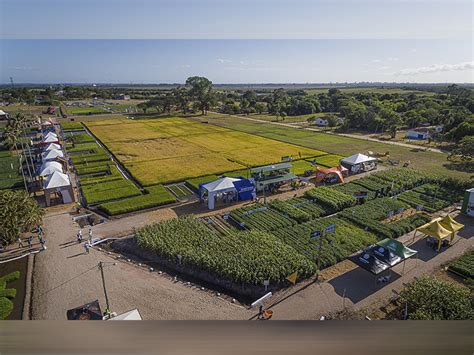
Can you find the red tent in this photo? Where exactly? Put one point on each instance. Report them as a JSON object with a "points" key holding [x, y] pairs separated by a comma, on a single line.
{"points": [[330, 173]]}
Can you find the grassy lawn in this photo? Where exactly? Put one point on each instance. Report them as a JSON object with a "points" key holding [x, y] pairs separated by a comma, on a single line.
{"points": [[73, 110], [10, 177], [288, 119], [345, 146]]}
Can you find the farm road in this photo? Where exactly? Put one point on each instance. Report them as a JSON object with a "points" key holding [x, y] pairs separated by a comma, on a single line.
{"points": [[340, 134]]}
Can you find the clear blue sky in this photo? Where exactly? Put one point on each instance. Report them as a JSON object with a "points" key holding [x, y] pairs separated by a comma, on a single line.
{"points": [[145, 41]]}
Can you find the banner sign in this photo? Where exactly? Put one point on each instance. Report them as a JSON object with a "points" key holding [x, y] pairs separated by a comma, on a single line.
{"points": [[331, 228], [315, 235]]}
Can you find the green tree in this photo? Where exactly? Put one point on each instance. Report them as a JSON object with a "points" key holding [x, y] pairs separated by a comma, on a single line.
{"points": [[464, 149], [181, 96], [201, 91], [18, 213]]}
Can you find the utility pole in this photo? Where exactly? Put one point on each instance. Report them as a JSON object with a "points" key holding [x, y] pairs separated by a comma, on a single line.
{"points": [[11, 82], [101, 268]]}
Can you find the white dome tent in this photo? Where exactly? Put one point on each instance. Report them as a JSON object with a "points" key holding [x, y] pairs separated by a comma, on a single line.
{"points": [[58, 184]]}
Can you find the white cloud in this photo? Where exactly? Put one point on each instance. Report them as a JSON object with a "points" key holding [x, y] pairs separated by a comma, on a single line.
{"points": [[376, 61], [186, 66], [222, 61], [436, 68]]}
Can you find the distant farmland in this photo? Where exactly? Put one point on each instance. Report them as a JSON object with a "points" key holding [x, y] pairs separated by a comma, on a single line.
{"points": [[159, 151]]}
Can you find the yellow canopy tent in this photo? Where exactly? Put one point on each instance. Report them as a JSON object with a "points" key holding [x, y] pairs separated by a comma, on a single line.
{"points": [[450, 224], [436, 230]]}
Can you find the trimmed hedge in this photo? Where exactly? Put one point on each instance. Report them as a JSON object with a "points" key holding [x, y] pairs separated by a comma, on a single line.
{"points": [[154, 196], [6, 305]]}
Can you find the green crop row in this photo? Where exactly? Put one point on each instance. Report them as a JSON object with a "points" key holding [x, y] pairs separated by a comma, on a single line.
{"points": [[331, 199], [258, 216], [81, 138], [242, 257], [109, 190], [72, 126], [464, 266], [346, 240], [290, 210], [154, 196]]}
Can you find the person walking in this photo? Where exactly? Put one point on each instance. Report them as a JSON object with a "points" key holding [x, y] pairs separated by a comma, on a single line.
{"points": [[79, 236], [42, 242], [30, 241], [40, 230], [90, 235], [20, 242], [87, 247]]}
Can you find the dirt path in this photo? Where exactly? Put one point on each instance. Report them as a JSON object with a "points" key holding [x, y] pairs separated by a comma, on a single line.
{"points": [[340, 134], [65, 277]]}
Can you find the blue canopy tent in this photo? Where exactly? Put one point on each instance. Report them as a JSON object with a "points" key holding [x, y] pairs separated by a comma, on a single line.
{"points": [[238, 188]]}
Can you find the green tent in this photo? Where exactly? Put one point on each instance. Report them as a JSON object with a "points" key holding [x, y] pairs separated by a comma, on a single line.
{"points": [[397, 248]]}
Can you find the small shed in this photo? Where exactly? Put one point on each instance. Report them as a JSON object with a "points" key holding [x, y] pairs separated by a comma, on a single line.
{"points": [[321, 122], [58, 186], [468, 203], [418, 134], [359, 162]]}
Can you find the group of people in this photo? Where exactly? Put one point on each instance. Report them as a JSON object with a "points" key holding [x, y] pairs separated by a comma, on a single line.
{"points": [[30, 239], [88, 244]]}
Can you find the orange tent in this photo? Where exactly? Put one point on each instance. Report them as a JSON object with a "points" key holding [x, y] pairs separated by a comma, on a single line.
{"points": [[322, 173]]}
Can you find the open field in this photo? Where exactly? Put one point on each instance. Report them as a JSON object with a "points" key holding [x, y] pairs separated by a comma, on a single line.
{"points": [[345, 146], [158, 151]]}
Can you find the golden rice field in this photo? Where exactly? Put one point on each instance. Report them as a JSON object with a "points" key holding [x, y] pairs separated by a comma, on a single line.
{"points": [[174, 149]]}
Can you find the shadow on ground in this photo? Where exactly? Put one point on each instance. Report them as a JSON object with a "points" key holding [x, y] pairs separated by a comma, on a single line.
{"points": [[359, 284]]}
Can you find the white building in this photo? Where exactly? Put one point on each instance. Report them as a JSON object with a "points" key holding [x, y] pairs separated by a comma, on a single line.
{"points": [[418, 134], [321, 122]]}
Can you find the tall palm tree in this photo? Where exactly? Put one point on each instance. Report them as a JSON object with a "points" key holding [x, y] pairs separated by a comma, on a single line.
{"points": [[12, 135]]}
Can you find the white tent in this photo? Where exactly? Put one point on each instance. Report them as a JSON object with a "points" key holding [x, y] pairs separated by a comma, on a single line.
{"points": [[56, 180], [52, 146], [50, 139], [58, 183], [357, 159], [49, 167], [53, 154], [215, 187], [130, 315], [51, 134]]}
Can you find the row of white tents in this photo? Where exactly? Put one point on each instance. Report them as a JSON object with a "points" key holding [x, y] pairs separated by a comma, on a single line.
{"points": [[55, 181]]}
